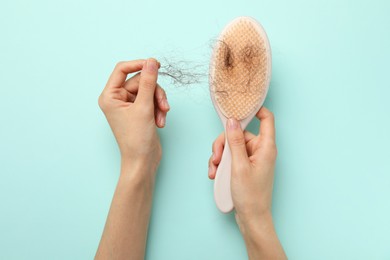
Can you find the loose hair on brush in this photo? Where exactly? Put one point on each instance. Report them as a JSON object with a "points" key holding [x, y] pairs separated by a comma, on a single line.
{"points": [[186, 73]]}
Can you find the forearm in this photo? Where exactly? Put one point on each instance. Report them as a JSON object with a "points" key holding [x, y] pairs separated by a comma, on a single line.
{"points": [[260, 238], [125, 232]]}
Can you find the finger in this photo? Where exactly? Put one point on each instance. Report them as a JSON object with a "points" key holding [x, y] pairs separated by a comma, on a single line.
{"points": [[148, 82], [267, 123], [119, 74], [160, 118], [235, 137], [217, 148], [132, 84], [130, 97], [212, 169], [161, 98], [248, 136]]}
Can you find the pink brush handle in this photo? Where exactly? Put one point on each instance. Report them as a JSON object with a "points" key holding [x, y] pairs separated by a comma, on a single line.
{"points": [[222, 190], [222, 183]]}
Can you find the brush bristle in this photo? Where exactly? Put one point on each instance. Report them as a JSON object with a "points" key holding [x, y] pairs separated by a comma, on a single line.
{"points": [[239, 69]]}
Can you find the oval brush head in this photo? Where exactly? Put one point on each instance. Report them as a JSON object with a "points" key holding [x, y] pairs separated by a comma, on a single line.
{"points": [[239, 76]]}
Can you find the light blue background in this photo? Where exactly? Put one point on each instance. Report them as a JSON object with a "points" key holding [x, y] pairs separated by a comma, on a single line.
{"points": [[330, 94]]}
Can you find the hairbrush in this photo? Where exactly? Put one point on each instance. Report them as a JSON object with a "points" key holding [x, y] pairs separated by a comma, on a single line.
{"points": [[239, 77]]}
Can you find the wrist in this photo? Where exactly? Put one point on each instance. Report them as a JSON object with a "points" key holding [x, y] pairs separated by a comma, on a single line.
{"points": [[251, 215], [138, 172], [256, 229], [254, 224], [260, 237], [146, 160]]}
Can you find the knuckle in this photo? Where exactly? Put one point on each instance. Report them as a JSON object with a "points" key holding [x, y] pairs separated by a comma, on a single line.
{"points": [[271, 151], [236, 140], [119, 64], [240, 167], [272, 156], [102, 102], [149, 84], [270, 114]]}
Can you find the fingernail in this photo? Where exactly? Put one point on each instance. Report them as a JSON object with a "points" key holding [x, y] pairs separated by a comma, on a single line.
{"points": [[232, 123], [210, 170], [162, 121], [166, 104], [213, 157], [151, 65]]}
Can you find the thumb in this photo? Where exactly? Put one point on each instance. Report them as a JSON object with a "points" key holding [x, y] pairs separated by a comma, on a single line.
{"points": [[236, 140], [148, 82]]}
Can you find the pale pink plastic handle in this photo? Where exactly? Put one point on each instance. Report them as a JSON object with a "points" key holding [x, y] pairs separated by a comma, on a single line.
{"points": [[222, 184]]}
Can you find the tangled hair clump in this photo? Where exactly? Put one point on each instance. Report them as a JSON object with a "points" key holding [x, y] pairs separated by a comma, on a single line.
{"points": [[236, 67], [243, 63], [182, 72]]}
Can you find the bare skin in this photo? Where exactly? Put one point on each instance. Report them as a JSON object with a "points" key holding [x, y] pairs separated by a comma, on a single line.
{"points": [[253, 163], [134, 108]]}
